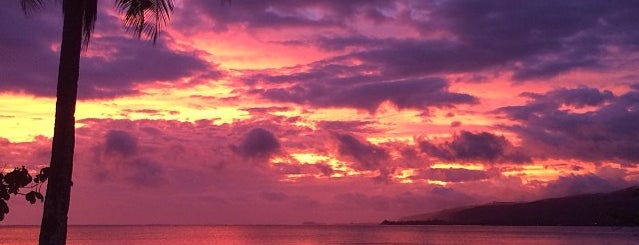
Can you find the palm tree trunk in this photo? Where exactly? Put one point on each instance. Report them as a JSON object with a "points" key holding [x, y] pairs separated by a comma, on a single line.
{"points": [[53, 229]]}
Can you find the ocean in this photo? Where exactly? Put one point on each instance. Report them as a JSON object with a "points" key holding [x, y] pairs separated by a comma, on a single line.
{"points": [[329, 234]]}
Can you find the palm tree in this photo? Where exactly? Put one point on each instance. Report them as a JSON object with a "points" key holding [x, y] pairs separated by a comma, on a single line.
{"points": [[145, 18]]}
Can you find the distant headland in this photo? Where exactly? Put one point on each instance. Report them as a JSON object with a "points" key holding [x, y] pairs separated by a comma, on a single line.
{"points": [[618, 208]]}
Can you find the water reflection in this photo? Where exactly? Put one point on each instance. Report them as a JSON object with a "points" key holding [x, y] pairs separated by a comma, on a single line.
{"points": [[312, 235]]}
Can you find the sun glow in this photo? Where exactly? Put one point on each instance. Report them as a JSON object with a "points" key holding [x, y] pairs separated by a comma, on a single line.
{"points": [[457, 166], [534, 172], [437, 182], [309, 158], [404, 175], [340, 168], [25, 117]]}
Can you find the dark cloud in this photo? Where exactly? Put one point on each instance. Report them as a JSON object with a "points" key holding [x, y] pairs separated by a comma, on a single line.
{"points": [[545, 69], [396, 58], [341, 43], [478, 146], [283, 13], [483, 147], [129, 63], [576, 97], [258, 143], [482, 35], [120, 142], [608, 132], [412, 57], [568, 35], [415, 94], [112, 66], [367, 156], [122, 159], [28, 64], [582, 96]]}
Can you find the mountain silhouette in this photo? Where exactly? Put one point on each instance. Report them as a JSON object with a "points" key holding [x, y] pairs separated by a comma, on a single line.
{"points": [[618, 208]]}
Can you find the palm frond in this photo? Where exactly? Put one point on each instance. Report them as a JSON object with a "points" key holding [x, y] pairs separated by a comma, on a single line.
{"points": [[29, 6], [145, 18], [88, 19]]}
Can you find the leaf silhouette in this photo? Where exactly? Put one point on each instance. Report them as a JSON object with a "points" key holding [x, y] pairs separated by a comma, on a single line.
{"points": [[31, 197]]}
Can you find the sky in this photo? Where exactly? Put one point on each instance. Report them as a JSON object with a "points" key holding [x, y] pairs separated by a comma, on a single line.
{"points": [[283, 112]]}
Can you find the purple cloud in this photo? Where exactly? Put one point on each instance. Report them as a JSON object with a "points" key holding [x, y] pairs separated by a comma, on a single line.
{"points": [[482, 35], [483, 147], [366, 156], [258, 143], [284, 13], [416, 94], [607, 133], [120, 142], [568, 35], [134, 62], [583, 184], [28, 64], [113, 65]]}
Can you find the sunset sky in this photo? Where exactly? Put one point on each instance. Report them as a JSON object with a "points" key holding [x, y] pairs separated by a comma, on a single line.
{"points": [[282, 111]]}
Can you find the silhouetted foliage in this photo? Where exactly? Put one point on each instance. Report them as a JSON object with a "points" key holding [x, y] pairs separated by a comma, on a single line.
{"points": [[19, 179]]}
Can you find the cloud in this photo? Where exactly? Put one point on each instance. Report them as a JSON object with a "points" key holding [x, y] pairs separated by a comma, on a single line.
{"points": [[34, 155], [447, 37], [569, 35], [283, 13], [456, 36], [121, 142], [405, 94], [145, 172], [28, 63], [608, 132], [172, 154], [128, 63], [120, 160], [112, 66], [366, 155], [258, 143], [579, 97], [483, 147], [582, 184]]}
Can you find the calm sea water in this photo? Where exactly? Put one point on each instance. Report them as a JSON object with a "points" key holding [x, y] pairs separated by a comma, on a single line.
{"points": [[330, 234]]}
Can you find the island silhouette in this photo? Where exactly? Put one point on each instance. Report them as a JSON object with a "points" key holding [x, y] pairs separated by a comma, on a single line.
{"points": [[618, 208]]}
